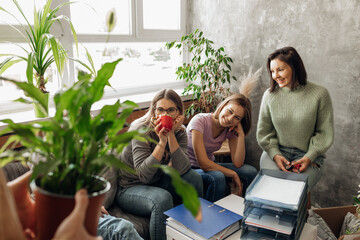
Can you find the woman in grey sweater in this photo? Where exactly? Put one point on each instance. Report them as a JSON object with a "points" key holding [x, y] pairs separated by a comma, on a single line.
{"points": [[149, 192]]}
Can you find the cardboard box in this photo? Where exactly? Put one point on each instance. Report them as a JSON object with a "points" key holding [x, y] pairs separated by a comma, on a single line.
{"points": [[334, 216]]}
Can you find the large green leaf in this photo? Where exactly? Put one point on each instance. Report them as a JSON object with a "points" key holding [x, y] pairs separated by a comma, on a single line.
{"points": [[25, 132], [33, 92], [102, 79], [112, 161], [9, 156], [183, 189], [109, 112], [58, 56], [29, 68]]}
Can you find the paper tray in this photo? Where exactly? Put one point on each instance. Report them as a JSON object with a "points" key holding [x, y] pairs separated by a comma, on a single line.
{"points": [[254, 233], [265, 189]]}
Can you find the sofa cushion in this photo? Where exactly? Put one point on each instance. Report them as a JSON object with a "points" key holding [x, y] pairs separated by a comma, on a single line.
{"points": [[13, 170], [141, 223], [111, 175]]}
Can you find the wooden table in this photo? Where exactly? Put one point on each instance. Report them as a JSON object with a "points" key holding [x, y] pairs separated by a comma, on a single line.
{"points": [[222, 155], [224, 150]]}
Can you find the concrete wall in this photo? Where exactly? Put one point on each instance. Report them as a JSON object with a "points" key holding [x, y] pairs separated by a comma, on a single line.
{"points": [[327, 36]]}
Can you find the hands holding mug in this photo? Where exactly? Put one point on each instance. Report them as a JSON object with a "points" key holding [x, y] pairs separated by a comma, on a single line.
{"points": [[166, 124]]}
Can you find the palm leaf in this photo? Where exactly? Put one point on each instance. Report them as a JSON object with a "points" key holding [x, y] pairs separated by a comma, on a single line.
{"points": [[8, 63], [30, 67], [32, 91]]}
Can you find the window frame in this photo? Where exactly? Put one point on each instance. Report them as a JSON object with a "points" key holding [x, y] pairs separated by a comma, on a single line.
{"points": [[138, 34]]}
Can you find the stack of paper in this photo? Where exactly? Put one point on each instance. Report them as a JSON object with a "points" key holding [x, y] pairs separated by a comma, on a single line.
{"points": [[275, 205], [217, 223]]}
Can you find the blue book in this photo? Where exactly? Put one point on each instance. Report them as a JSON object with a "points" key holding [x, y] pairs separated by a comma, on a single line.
{"points": [[214, 218]]}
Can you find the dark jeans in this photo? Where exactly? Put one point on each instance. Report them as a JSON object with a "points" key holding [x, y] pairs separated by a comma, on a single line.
{"points": [[215, 181], [153, 201]]}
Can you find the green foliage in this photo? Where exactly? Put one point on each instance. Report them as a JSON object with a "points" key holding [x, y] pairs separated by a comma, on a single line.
{"points": [[74, 146], [44, 48], [357, 202], [207, 74], [184, 189]]}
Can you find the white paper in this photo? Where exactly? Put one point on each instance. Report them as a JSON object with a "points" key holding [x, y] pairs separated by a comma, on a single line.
{"points": [[278, 190], [233, 203]]}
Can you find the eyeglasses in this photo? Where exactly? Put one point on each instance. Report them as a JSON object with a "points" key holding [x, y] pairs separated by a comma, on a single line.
{"points": [[170, 111]]}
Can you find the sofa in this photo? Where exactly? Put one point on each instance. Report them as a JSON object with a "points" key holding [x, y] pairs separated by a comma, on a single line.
{"points": [[141, 223], [15, 169]]}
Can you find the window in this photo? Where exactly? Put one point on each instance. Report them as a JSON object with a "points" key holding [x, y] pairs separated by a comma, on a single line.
{"points": [[142, 29]]}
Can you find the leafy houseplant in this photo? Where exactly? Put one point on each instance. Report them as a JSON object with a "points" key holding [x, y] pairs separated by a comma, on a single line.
{"points": [[357, 203], [76, 146], [207, 74], [44, 48], [352, 226]]}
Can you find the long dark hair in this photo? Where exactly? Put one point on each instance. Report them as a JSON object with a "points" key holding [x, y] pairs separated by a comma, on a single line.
{"points": [[290, 56]]}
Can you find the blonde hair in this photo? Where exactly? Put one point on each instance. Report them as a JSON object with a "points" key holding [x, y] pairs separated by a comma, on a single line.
{"points": [[242, 99]]}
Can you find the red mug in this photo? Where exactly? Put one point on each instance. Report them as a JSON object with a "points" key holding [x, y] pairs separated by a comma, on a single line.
{"points": [[166, 122]]}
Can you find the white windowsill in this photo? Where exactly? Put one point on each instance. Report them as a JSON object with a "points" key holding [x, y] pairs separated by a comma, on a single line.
{"points": [[143, 100]]}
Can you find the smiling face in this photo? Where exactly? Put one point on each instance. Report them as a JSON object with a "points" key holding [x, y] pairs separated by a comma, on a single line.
{"points": [[231, 115], [281, 72]]}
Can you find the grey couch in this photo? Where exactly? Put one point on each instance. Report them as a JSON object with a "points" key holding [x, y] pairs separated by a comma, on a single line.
{"points": [[141, 223], [16, 169]]}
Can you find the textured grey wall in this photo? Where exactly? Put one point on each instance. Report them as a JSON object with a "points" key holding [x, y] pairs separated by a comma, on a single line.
{"points": [[326, 34]]}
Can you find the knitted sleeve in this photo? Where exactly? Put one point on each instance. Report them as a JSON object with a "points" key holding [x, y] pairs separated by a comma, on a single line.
{"points": [[180, 158], [266, 134], [323, 136]]}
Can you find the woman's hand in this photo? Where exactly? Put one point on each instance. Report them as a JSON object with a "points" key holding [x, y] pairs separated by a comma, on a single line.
{"points": [[238, 129], [178, 122], [301, 165], [159, 130], [73, 226], [281, 162], [238, 184], [103, 211]]}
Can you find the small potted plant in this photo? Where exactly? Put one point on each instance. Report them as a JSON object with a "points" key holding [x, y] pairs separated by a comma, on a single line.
{"points": [[44, 49], [207, 75], [357, 203], [75, 147], [351, 224]]}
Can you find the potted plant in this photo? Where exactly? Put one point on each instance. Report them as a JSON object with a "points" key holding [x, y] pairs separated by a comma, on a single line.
{"points": [[44, 49], [351, 224], [207, 74], [357, 203], [75, 147]]}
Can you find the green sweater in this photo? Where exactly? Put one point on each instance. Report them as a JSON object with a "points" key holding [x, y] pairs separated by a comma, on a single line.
{"points": [[301, 118]]}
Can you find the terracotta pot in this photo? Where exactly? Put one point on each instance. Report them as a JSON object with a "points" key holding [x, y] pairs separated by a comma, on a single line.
{"points": [[51, 209]]}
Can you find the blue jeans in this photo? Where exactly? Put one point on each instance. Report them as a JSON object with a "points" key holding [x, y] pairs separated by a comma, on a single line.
{"points": [[215, 181], [112, 228], [313, 171], [153, 201]]}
